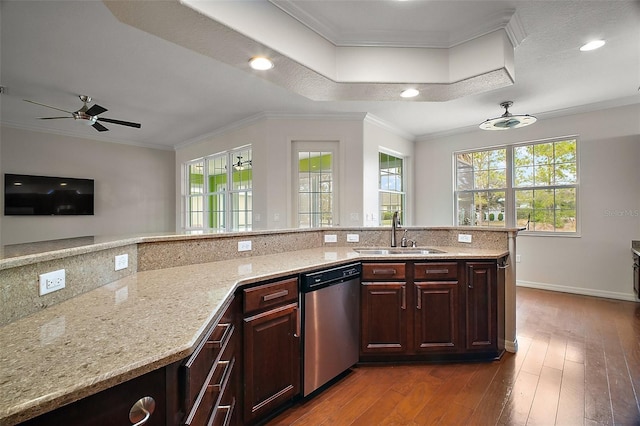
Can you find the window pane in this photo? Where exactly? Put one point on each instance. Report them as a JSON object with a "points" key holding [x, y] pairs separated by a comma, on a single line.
{"points": [[195, 172], [315, 189], [466, 209], [523, 176], [391, 186]]}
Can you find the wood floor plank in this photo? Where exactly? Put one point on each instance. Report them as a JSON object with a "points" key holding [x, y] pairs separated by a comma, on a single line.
{"points": [[545, 402], [516, 411], [534, 360], [556, 352], [571, 402]]}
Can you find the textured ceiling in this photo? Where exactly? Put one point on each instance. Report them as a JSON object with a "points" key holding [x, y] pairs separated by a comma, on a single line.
{"points": [[53, 51]]}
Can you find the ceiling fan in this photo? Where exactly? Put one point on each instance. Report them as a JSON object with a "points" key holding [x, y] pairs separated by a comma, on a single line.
{"points": [[89, 114]]}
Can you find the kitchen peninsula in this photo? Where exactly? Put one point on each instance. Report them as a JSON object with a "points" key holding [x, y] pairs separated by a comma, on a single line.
{"points": [[154, 314]]}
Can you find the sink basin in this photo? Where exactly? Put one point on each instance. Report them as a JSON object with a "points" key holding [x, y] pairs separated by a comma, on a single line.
{"points": [[398, 251]]}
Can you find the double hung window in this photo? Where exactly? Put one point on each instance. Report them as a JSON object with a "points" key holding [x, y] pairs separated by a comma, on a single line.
{"points": [[533, 185]]}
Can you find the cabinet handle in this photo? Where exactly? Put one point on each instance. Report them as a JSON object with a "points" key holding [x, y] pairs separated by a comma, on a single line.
{"points": [[384, 272], [275, 295], [436, 271], [419, 304], [404, 297], [144, 407], [298, 321]]}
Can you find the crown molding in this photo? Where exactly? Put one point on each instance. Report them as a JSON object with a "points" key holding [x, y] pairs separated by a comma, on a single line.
{"points": [[78, 136]]}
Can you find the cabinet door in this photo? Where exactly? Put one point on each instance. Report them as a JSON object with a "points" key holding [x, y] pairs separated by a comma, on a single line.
{"points": [[481, 305], [271, 360], [384, 317], [436, 316]]}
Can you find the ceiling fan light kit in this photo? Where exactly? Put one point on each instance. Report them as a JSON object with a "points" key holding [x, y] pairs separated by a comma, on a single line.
{"points": [[507, 120], [88, 115]]}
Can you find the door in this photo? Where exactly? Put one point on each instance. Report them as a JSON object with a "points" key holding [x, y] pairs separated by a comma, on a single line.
{"points": [[436, 316], [384, 317], [481, 305], [272, 360]]}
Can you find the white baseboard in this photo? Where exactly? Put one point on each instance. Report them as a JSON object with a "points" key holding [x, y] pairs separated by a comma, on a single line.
{"points": [[577, 290]]}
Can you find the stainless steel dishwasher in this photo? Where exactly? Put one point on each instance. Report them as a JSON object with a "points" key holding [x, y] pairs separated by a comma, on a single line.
{"points": [[331, 306]]}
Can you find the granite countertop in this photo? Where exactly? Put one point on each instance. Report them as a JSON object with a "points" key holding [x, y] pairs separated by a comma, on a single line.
{"points": [[137, 324]]}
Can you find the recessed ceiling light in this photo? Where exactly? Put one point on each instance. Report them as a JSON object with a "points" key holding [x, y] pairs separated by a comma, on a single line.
{"points": [[592, 45], [261, 63], [410, 93]]}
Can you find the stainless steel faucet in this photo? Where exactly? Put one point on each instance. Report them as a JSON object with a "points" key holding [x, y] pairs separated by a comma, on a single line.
{"points": [[395, 222]]}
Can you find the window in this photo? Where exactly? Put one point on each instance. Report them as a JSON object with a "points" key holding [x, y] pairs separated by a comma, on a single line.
{"points": [[219, 192], [315, 189], [391, 187], [533, 185]]}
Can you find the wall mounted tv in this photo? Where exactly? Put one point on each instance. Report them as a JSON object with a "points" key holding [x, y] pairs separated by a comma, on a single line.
{"points": [[26, 195]]}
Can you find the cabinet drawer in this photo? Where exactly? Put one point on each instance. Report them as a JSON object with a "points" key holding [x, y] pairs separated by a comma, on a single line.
{"points": [[200, 364], [436, 271], [209, 402], [383, 271], [270, 295]]}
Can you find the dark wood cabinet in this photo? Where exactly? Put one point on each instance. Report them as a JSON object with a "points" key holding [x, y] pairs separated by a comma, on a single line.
{"points": [[430, 310], [481, 306], [210, 379], [383, 317], [272, 362], [636, 275]]}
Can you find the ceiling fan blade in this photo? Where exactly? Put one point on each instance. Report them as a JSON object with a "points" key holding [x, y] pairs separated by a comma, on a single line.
{"points": [[99, 127], [95, 110], [48, 106], [51, 118], [122, 123]]}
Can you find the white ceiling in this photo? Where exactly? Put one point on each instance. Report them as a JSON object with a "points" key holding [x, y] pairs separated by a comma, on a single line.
{"points": [[52, 51]]}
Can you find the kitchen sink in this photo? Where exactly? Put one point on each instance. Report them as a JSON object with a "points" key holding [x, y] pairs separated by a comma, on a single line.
{"points": [[398, 251]]}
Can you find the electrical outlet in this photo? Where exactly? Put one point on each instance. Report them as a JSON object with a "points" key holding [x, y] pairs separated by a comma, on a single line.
{"points": [[52, 281], [244, 245], [331, 238], [353, 238], [464, 238], [517, 258], [122, 261]]}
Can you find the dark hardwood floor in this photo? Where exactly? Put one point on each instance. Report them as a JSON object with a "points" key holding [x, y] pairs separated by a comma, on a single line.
{"points": [[578, 363]]}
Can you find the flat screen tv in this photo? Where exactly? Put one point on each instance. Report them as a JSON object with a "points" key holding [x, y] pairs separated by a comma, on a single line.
{"points": [[26, 195]]}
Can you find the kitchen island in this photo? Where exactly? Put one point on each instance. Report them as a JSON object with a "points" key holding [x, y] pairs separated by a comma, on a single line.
{"points": [[141, 322]]}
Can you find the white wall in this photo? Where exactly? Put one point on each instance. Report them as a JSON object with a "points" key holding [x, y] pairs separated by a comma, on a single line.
{"points": [[134, 186], [599, 261], [271, 139]]}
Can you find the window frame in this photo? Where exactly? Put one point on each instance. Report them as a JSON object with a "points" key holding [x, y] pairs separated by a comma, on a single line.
{"points": [[227, 194], [402, 192], [510, 220]]}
